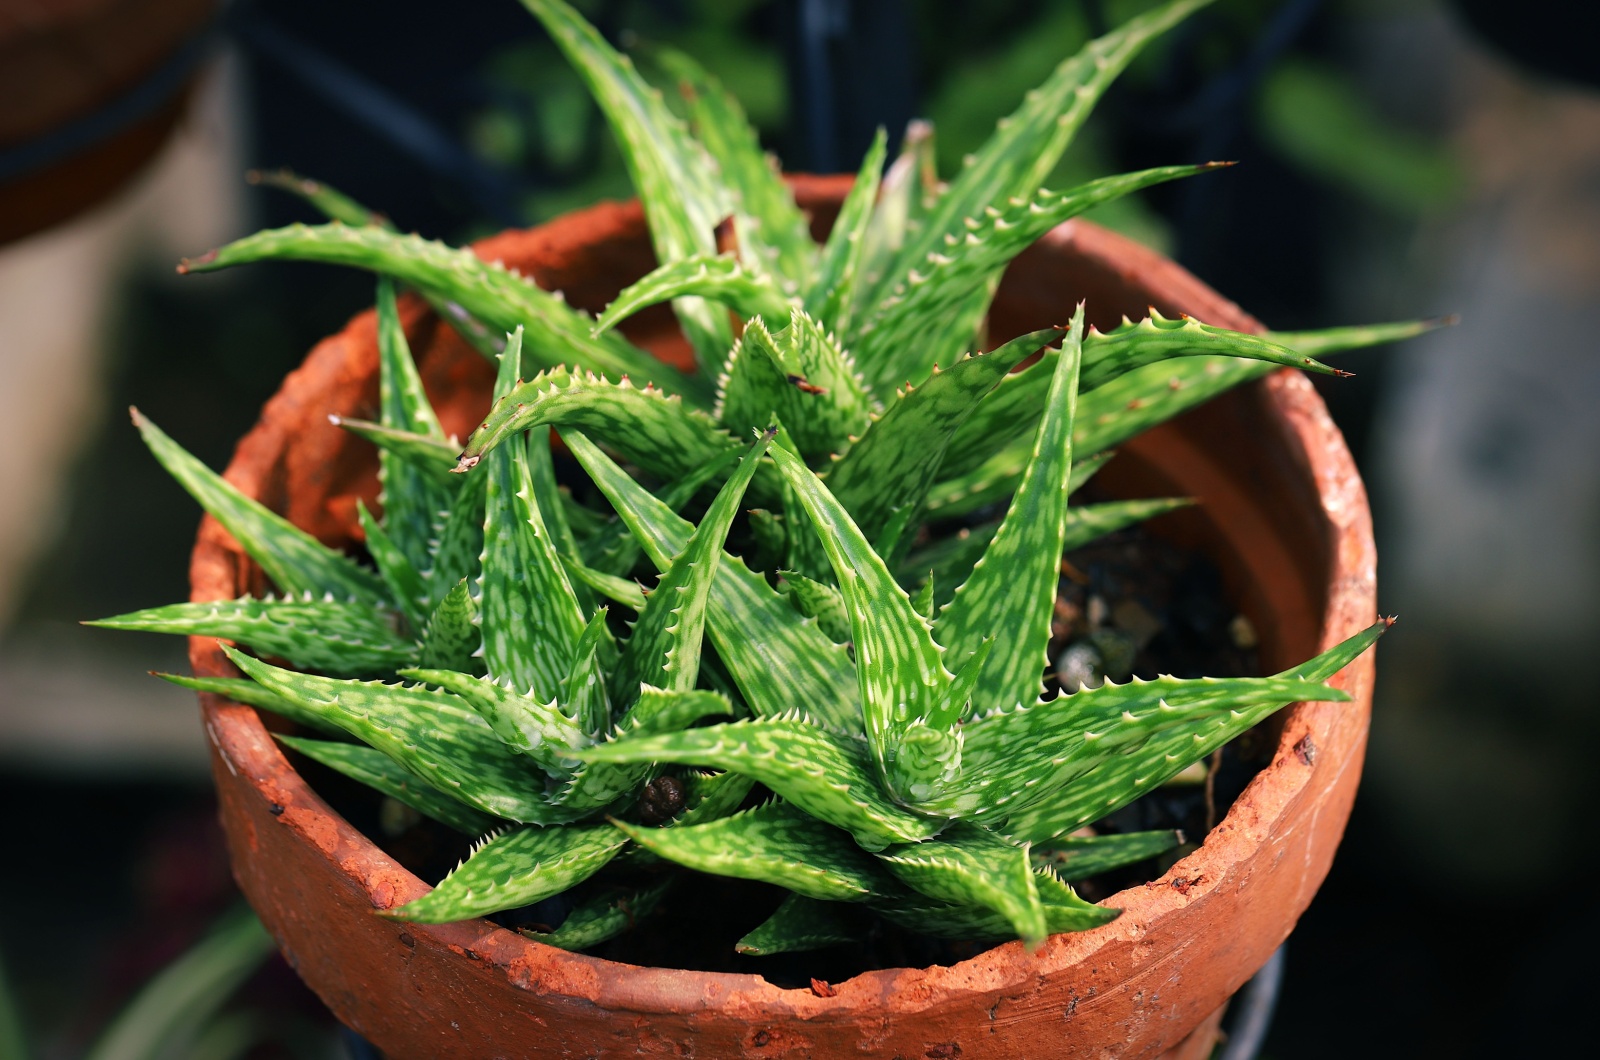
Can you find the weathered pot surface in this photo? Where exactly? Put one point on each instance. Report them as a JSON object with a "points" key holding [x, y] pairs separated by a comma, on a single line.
{"points": [[1283, 513]]}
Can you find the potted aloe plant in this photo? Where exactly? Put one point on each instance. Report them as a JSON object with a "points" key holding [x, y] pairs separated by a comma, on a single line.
{"points": [[841, 692]]}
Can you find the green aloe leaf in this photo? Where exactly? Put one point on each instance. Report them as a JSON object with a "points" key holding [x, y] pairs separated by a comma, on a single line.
{"points": [[243, 690], [1027, 145], [996, 478], [527, 612], [827, 775], [957, 700], [820, 601], [489, 292], [1082, 857], [514, 869], [801, 924], [554, 505], [1337, 340], [624, 591], [948, 562], [335, 205], [717, 277], [776, 844], [583, 690], [799, 374], [770, 227], [406, 587], [432, 456], [676, 180], [1205, 722], [648, 427], [602, 917], [829, 298], [450, 639], [895, 461], [327, 200], [1134, 344], [802, 550], [929, 316], [791, 662], [614, 549], [410, 497], [967, 865], [908, 189], [710, 797], [297, 562], [460, 535], [378, 771], [335, 636], [1018, 402], [1130, 404], [1013, 587], [898, 665], [433, 734], [664, 648], [524, 723], [924, 759], [1063, 911], [1069, 735], [598, 784]]}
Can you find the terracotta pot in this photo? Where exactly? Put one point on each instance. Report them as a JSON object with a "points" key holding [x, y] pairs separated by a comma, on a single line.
{"points": [[1283, 513]]}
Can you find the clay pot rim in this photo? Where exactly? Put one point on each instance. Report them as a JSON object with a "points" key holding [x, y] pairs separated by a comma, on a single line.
{"points": [[243, 745]]}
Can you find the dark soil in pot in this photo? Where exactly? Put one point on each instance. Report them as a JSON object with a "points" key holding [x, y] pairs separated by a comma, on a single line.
{"points": [[1133, 602]]}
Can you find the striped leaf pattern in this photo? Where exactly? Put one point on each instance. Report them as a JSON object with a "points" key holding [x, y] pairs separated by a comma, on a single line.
{"points": [[792, 663], [433, 734], [342, 637], [972, 866], [1013, 587], [773, 233], [830, 295], [297, 562], [648, 427], [487, 291], [409, 495], [664, 649], [378, 771], [672, 173], [928, 316], [898, 665], [1027, 144], [516, 868], [894, 463], [776, 844], [799, 374], [827, 775], [718, 277]]}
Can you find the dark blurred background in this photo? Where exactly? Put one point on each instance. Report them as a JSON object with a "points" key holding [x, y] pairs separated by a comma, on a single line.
{"points": [[1402, 158]]}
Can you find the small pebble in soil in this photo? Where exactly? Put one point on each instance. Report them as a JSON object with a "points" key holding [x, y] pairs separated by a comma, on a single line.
{"points": [[1080, 667], [661, 800]]}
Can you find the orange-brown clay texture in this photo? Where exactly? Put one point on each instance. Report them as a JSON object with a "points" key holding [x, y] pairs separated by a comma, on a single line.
{"points": [[1283, 513]]}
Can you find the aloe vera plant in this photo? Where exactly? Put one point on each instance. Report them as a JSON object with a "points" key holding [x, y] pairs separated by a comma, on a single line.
{"points": [[813, 709]]}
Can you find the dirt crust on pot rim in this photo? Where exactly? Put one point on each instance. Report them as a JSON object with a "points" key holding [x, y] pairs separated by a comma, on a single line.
{"points": [[1283, 514]]}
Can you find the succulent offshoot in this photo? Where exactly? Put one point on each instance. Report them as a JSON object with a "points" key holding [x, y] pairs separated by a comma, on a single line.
{"points": [[878, 626]]}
